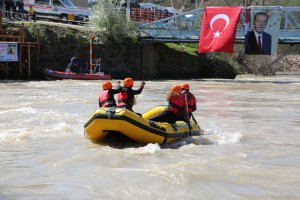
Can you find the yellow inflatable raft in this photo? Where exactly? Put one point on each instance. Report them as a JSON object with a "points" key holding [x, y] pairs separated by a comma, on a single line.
{"points": [[119, 120]]}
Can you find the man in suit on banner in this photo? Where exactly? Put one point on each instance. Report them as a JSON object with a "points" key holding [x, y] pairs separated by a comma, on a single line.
{"points": [[258, 42]]}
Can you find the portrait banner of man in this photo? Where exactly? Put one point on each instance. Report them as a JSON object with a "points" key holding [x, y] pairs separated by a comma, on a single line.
{"points": [[262, 36]]}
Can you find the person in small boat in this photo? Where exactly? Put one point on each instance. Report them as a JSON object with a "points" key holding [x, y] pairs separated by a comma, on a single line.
{"points": [[106, 98], [174, 109], [126, 98], [74, 64], [189, 102], [86, 68]]}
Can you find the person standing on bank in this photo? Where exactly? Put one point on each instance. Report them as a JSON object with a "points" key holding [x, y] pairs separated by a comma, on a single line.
{"points": [[175, 108], [31, 14], [257, 41], [106, 98], [126, 98], [20, 5], [1, 6], [8, 5], [14, 8], [97, 65]]}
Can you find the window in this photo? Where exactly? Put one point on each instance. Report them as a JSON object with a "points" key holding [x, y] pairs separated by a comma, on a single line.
{"points": [[68, 3], [57, 3], [42, 2]]}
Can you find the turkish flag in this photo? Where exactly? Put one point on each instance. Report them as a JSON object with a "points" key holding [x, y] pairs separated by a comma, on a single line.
{"points": [[218, 29]]}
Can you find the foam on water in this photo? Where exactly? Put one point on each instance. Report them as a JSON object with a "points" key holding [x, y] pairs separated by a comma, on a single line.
{"points": [[220, 137], [27, 122], [217, 132], [29, 110], [148, 149], [24, 133], [229, 138], [16, 135]]}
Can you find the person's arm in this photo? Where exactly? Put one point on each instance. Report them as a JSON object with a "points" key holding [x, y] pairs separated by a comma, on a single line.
{"points": [[116, 91], [99, 102], [267, 44], [76, 61], [247, 44], [139, 91]]}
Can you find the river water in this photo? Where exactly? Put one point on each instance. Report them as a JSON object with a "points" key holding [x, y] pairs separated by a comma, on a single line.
{"points": [[252, 151]]}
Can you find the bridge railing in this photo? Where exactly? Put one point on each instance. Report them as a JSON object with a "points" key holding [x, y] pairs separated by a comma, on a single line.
{"points": [[186, 27]]}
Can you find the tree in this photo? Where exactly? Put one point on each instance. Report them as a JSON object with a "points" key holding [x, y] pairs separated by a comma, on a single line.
{"points": [[111, 24]]}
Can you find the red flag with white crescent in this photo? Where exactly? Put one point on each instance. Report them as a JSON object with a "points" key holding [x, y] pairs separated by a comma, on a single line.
{"points": [[218, 29]]}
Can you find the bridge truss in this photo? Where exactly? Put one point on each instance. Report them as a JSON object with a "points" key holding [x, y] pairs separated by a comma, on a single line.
{"points": [[185, 28]]}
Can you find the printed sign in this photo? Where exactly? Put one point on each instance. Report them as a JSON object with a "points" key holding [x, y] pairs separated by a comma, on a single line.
{"points": [[262, 38], [8, 51]]}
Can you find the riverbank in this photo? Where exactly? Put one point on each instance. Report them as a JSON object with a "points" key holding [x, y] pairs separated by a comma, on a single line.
{"points": [[59, 42]]}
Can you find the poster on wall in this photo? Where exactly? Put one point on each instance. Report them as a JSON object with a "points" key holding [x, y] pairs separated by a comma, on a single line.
{"points": [[8, 51], [261, 38]]}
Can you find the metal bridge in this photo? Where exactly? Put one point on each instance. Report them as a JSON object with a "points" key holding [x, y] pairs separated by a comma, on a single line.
{"points": [[185, 28]]}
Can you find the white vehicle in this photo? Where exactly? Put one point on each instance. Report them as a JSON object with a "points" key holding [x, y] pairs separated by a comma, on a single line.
{"points": [[63, 10]]}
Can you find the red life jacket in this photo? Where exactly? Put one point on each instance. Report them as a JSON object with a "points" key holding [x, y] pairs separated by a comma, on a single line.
{"points": [[176, 104], [191, 101], [126, 98], [105, 99], [122, 99]]}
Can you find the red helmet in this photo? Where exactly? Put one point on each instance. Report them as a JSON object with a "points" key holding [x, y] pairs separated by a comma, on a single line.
{"points": [[106, 85], [176, 89], [185, 86], [128, 82]]}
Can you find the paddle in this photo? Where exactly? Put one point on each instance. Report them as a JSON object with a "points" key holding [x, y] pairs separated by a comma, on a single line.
{"points": [[187, 115], [188, 118], [203, 131]]}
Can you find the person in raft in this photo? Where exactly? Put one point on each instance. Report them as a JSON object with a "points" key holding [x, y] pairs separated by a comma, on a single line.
{"points": [[189, 102], [126, 98], [174, 109], [106, 98]]}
